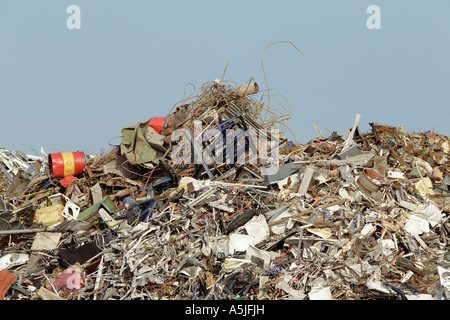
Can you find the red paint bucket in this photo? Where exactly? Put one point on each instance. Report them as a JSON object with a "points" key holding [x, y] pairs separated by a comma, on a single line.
{"points": [[66, 164]]}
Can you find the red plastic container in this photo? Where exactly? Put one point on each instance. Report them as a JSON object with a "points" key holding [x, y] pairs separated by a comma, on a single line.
{"points": [[157, 123], [66, 164]]}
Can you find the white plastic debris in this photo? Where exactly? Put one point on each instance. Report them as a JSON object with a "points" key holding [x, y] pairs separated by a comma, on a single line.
{"points": [[320, 294], [10, 260]]}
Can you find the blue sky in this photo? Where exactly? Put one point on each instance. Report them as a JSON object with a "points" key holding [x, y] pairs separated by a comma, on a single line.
{"points": [[69, 90]]}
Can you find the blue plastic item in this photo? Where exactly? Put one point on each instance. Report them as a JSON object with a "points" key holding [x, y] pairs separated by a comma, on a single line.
{"points": [[132, 206]]}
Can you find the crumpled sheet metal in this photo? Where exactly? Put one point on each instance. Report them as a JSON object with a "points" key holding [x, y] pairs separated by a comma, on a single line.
{"points": [[366, 223]]}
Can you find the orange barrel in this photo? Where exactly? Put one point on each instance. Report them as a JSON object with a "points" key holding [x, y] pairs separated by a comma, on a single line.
{"points": [[66, 164]]}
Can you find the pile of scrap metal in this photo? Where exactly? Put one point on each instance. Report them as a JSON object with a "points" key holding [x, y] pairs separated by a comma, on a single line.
{"points": [[178, 212]]}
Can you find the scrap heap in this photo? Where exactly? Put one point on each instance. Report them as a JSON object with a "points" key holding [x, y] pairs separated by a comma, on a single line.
{"points": [[358, 217]]}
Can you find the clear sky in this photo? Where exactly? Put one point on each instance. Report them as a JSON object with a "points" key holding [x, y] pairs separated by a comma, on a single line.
{"points": [[68, 90]]}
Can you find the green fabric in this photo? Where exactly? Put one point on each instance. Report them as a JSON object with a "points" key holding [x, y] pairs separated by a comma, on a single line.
{"points": [[134, 145]]}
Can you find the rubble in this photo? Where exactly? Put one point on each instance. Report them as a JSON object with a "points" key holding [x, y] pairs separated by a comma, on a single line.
{"points": [[212, 203]]}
